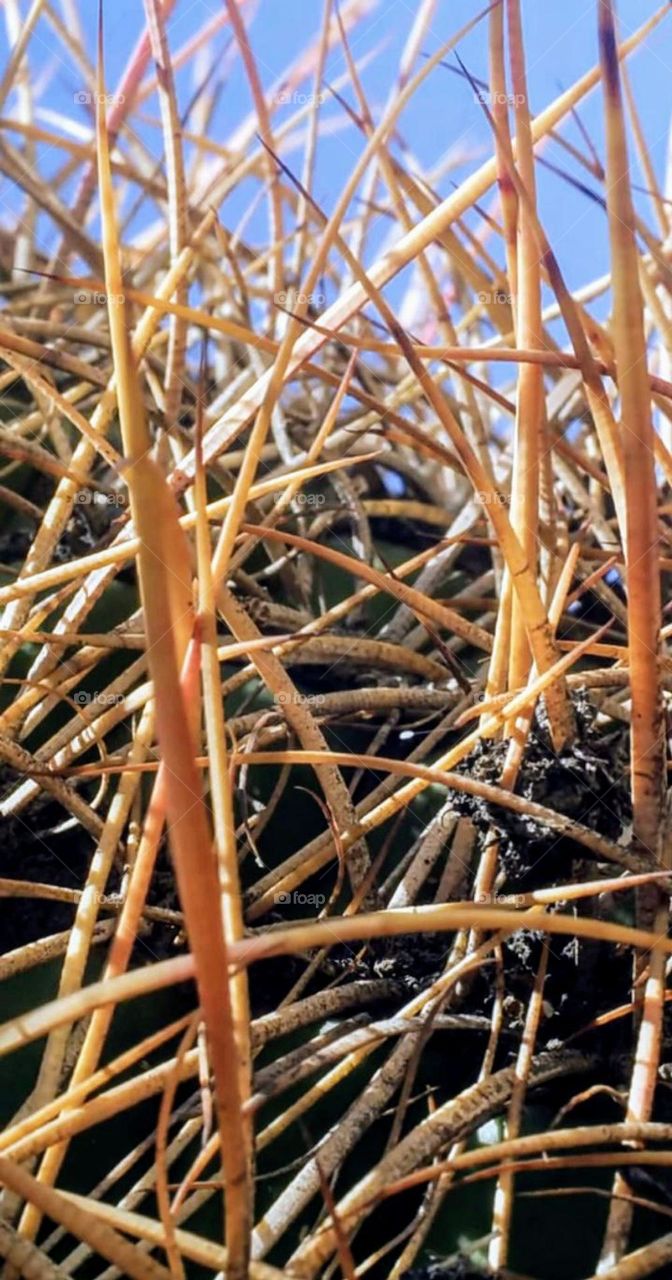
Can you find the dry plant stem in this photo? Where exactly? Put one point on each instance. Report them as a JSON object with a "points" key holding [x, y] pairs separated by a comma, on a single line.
{"points": [[422, 235], [359, 1116], [297, 713], [124, 938], [648, 1260], [125, 1096], [519, 713], [272, 1130], [503, 148], [440, 1128], [143, 1187], [422, 605], [517, 1150], [238, 27], [165, 595], [33, 954], [203, 1251], [647, 740], [32, 1026], [161, 1144], [515, 552], [283, 502], [269, 387], [123, 100], [503, 1207], [402, 797], [126, 548], [37, 1131], [310, 153], [177, 197], [390, 171], [528, 442], [642, 1086], [300, 719], [281, 366], [409, 56], [269, 478], [531, 606], [75, 961], [197, 875], [81, 1222], [77, 1093], [577, 323], [498, 666], [421, 919], [435, 1193], [25, 1258], [641, 533], [222, 800], [60, 507], [129, 919]]}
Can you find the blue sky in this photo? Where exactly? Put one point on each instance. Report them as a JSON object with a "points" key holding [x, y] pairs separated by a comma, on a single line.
{"points": [[561, 44]]}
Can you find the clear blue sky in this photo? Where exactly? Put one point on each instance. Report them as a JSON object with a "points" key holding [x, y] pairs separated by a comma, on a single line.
{"points": [[561, 44]]}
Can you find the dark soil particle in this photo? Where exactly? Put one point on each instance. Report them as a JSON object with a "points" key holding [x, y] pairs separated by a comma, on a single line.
{"points": [[584, 978], [414, 962], [410, 963], [587, 781], [32, 849], [461, 1269]]}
